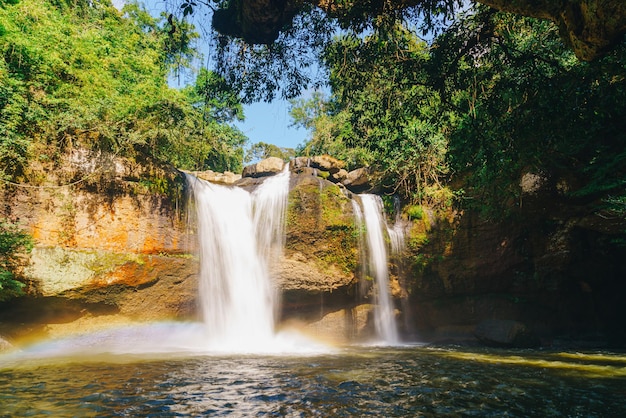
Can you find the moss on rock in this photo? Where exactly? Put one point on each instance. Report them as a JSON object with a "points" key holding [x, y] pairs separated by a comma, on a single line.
{"points": [[320, 225]]}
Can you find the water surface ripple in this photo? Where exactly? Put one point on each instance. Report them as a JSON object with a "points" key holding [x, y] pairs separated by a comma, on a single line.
{"points": [[354, 382]]}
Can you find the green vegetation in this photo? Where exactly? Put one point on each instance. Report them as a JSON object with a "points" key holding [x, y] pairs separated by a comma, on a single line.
{"points": [[454, 121], [82, 74], [523, 102], [318, 218], [79, 74], [382, 112], [414, 212], [494, 97], [14, 245]]}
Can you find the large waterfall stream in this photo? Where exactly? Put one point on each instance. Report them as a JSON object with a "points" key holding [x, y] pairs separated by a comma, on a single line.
{"points": [[239, 232]]}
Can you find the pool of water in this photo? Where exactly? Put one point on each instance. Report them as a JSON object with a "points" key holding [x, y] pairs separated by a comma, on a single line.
{"points": [[345, 382]]}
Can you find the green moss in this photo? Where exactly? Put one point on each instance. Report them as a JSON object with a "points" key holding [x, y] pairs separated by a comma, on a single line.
{"points": [[104, 262], [334, 211], [319, 224], [323, 174], [417, 241]]}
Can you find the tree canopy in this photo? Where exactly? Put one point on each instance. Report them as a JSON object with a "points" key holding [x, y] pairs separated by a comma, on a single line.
{"points": [[81, 73], [590, 27], [494, 97]]}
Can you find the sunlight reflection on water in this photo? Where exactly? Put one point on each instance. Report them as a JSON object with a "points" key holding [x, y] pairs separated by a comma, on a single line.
{"points": [[411, 380], [343, 382]]}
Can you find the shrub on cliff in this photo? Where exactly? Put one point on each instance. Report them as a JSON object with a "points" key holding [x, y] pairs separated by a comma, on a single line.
{"points": [[14, 245]]}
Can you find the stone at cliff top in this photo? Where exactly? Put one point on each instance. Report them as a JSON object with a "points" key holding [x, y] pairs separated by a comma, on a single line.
{"points": [[267, 167], [226, 177], [327, 163], [358, 179], [322, 162]]}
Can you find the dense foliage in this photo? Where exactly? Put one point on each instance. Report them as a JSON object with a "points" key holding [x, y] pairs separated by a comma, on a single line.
{"points": [[14, 244], [495, 96], [526, 104], [278, 54], [382, 112], [78, 73], [281, 69]]}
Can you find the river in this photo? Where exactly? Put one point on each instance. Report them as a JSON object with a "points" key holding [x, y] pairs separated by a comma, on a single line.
{"points": [[342, 382]]}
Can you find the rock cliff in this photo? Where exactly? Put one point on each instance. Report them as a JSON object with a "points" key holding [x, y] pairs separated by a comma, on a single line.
{"points": [[120, 250], [557, 267], [110, 246], [117, 247]]}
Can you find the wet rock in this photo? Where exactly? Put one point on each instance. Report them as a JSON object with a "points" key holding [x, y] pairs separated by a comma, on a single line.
{"points": [[298, 272], [321, 249], [345, 325], [505, 333]]}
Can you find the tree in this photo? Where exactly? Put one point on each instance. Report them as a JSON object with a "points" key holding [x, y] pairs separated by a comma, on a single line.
{"points": [[523, 102], [382, 112], [496, 96], [78, 73], [261, 151], [590, 27]]}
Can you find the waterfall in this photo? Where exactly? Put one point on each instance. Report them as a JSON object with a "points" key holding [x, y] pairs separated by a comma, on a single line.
{"points": [[371, 217], [239, 233]]}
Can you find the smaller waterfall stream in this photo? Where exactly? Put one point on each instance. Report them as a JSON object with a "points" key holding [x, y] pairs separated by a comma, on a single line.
{"points": [[239, 233], [371, 216]]}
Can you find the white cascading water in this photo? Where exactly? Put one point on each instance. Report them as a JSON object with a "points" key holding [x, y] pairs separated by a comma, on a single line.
{"points": [[371, 216], [239, 232]]}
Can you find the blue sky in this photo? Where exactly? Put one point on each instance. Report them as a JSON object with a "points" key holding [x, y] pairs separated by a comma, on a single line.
{"points": [[269, 123]]}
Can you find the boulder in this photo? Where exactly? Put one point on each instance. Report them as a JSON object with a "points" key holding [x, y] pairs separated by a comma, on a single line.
{"points": [[297, 272], [505, 333], [531, 183], [327, 163], [266, 167], [344, 325], [339, 176], [299, 162], [358, 179], [309, 171]]}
